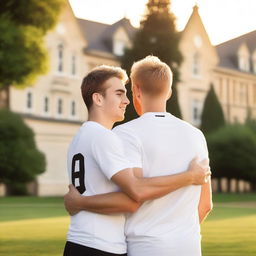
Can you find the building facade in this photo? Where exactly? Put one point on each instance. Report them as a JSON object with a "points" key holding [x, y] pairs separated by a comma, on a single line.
{"points": [[53, 106]]}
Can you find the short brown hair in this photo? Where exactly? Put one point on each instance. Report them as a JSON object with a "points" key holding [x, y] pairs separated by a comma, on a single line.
{"points": [[93, 82], [152, 75]]}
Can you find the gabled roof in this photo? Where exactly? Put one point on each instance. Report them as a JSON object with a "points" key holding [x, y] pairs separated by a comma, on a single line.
{"points": [[227, 51], [100, 35]]}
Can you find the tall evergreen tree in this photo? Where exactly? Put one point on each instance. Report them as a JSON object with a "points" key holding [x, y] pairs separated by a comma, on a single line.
{"points": [[23, 56], [157, 36], [212, 116]]}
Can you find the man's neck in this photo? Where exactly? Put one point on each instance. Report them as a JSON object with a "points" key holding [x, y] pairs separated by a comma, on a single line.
{"points": [[153, 106], [96, 117]]}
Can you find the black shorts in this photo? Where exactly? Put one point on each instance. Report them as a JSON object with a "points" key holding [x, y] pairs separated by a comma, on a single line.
{"points": [[72, 249]]}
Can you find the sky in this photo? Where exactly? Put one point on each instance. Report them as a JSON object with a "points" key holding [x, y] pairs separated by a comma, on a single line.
{"points": [[223, 19]]}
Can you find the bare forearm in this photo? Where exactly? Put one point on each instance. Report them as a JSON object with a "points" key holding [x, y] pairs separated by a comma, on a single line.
{"points": [[203, 213], [116, 202], [151, 188], [205, 202]]}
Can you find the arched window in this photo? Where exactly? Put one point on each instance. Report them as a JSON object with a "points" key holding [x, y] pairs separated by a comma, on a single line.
{"points": [[60, 57]]}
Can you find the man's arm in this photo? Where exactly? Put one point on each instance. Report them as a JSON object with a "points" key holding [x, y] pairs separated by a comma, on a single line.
{"points": [[142, 189], [205, 203], [115, 202], [138, 189]]}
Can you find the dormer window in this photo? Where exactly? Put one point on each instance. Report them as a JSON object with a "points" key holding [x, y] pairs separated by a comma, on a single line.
{"points": [[243, 58], [244, 63], [119, 46]]}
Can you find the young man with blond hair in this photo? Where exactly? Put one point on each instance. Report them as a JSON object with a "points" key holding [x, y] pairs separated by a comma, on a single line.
{"points": [[98, 161]]}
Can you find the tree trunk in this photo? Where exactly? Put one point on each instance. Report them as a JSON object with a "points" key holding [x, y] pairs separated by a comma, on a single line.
{"points": [[5, 97]]}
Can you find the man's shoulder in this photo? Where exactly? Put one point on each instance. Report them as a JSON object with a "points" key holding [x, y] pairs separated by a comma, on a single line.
{"points": [[181, 124], [130, 125]]}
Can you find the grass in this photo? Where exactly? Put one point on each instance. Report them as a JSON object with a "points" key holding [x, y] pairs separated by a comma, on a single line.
{"points": [[31, 226]]}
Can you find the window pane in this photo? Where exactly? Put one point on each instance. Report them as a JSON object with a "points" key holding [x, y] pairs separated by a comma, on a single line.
{"points": [[29, 100], [60, 58], [73, 108], [73, 71], [60, 106], [46, 104]]}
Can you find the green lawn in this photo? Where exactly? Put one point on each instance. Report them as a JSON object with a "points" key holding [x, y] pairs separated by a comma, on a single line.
{"points": [[31, 226]]}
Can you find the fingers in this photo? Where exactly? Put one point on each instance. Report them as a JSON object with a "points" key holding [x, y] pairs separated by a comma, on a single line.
{"points": [[205, 162], [195, 159], [71, 186]]}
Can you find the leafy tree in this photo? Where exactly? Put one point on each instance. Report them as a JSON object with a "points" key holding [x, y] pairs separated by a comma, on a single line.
{"points": [[212, 115], [20, 161], [157, 36], [23, 24], [232, 150]]}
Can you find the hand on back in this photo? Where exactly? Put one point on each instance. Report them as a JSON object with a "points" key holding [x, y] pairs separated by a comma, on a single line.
{"points": [[200, 171]]}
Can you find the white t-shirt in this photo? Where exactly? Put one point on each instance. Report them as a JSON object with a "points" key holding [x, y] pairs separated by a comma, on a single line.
{"points": [[162, 144], [94, 156]]}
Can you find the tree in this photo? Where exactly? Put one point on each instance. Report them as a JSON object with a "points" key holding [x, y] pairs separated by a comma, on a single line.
{"points": [[232, 151], [212, 115], [250, 122], [157, 36], [23, 24], [20, 161]]}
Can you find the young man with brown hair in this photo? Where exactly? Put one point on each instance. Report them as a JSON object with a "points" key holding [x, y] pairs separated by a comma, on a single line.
{"points": [[97, 162]]}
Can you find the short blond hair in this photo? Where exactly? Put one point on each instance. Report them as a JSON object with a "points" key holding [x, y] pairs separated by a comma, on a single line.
{"points": [[94, 81], [152, 75]]}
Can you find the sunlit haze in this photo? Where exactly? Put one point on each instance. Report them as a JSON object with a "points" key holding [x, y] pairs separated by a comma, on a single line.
{"points": [[223, 19]]}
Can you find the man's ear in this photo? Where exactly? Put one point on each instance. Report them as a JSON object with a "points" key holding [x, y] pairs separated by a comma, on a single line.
{"points": [[136, 96], [97, 99], [169, 94], [136, 91]]}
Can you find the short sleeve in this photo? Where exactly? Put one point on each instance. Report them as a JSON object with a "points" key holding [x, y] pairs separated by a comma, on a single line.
{"points": [[132, 145], [108, 152]]}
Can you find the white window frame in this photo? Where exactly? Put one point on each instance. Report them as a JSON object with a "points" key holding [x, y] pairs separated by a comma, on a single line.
{"points": [[31, 108], [60, 115], [46, 113], [73, 116]]}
